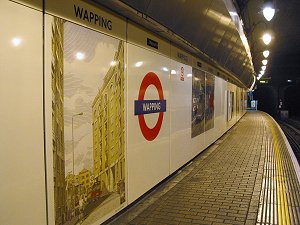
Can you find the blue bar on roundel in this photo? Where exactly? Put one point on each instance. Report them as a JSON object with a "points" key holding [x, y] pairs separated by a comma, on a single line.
{"points": [[149, 106]]}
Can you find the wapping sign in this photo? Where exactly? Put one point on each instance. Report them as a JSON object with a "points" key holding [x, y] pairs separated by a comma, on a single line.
{"points": [[149, 106], [86, 14], [142, 107], [92, 17]]}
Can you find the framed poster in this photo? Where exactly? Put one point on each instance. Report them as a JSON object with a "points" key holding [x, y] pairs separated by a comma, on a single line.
{"points": [[198, 102], [88, 123], [209, 101]]}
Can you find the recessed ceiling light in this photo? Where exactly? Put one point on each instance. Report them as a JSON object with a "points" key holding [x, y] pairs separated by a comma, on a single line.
{"points": [[268, 12], [267, 38], [265, 62], [266, 53]]}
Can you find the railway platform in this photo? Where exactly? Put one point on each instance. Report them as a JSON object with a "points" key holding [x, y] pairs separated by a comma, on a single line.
{"points": [[249, 176]]}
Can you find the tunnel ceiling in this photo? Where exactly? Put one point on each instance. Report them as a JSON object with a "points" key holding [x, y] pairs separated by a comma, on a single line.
{"points": [[284, 59], [205, 24]]}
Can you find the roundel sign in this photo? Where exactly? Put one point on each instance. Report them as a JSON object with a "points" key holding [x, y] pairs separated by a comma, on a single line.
{"points": [[142, 107]]}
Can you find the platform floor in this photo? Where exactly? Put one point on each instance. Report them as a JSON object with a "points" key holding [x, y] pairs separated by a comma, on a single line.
{"points": [[246, 177]]}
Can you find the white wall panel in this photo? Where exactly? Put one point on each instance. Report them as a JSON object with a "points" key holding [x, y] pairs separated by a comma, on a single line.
{"points": [[148, 161], [233, 120], [181, 106], [22, 189], [220, 115], [210, 136]]}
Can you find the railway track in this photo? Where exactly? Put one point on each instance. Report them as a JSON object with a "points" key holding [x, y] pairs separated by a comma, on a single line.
{"points": [[291, 128]]}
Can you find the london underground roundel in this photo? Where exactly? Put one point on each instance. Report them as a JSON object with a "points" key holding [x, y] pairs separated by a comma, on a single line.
{"points": [[142, 107]]}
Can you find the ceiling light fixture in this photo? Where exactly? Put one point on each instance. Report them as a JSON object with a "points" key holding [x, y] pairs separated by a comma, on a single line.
{"points": [[268, 10], [259, 76], [267, 38], [266, 53], [269, 13], [265, 62]]}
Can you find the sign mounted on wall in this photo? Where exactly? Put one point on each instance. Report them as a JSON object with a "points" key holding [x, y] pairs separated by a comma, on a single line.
{"points": [[182, 74], [142, 106]]}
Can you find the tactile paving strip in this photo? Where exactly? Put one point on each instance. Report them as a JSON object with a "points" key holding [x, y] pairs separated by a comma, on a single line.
{"points": [[280, 192]]}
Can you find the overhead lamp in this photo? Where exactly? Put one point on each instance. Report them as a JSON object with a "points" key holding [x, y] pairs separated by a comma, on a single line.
{"points": [[268, 10], [265, 62], [269, 13], [266, 53], [267, 38], [263, 67], [259, 76]]}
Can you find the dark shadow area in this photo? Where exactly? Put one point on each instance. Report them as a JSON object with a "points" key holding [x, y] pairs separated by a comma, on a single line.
{"points": [[267, 99], [292, 100]]}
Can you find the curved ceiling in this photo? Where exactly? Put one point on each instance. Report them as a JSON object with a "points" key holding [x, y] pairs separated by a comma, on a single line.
{"points": [[206, 25], [284, 59]]}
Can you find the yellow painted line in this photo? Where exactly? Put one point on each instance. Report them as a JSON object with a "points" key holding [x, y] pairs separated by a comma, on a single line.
{"points": [[282, 203]]}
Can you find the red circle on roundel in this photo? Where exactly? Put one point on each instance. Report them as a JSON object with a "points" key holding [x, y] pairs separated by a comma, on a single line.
{"points": [[150, 133]]}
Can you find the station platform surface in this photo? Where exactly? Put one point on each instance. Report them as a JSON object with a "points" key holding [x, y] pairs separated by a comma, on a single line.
{"points": [[246, 177]]}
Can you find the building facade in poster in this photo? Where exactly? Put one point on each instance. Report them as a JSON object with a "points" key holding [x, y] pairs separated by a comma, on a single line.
{"points": [[58, 121], [198, 102], [108, 130], [87, 123]]}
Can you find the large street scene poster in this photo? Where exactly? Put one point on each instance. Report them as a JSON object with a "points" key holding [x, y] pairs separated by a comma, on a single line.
{"points": [[209, 101], [198, 102], [88, 142]]}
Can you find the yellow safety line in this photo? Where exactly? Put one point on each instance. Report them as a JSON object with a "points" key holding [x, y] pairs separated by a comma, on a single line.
{"points": [[282, 204]]}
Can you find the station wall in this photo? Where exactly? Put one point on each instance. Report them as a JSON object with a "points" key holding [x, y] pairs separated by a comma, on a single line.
{"points": [[96, 112], [22, 169]]}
